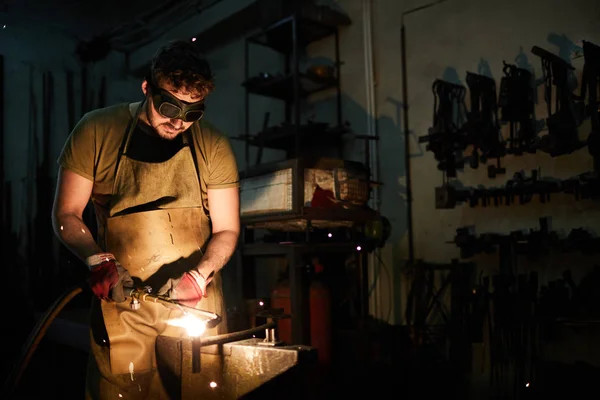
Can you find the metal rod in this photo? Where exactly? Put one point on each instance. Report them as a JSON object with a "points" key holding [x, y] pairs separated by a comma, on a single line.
{"points": [[338, 64], [247, 106], [296, 92], [3, 196], [411, 246], [411, 249], [196, 357], [234, 336]]}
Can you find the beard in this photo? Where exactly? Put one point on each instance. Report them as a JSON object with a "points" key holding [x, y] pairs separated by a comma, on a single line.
{"points": [[164, 130]]}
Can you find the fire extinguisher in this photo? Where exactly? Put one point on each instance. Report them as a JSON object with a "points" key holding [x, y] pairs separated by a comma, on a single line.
{"points": [[319, 309]]}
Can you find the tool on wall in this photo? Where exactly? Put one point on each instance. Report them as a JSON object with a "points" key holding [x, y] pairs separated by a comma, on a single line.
{"points": [[482, 128], [513, 327], [590, 86], [430, 320], [446, 138], [521, 189], [564, 113], [511, 320], [516, 104], [532, 243]]}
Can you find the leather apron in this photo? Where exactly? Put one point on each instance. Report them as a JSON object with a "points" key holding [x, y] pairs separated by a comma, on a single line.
{"points": [[156, 247]]}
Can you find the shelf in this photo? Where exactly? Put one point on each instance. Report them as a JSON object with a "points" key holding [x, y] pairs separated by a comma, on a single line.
{"points": [[282, 248], [284, 138], [282, 87], [279, 36], [319, 218]]}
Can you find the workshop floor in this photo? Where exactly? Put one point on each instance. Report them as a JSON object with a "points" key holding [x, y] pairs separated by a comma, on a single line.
{"points": [[58, 371], [375, 366]]}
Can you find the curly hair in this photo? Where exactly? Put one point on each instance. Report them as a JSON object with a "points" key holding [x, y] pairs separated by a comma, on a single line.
{"points": [[181, 64]]}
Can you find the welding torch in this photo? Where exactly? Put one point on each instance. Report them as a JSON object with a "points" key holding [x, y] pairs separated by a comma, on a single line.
{"points": [[136, 296]]}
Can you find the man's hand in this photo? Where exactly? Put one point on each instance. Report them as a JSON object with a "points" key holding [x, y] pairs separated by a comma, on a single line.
{"points": [[190, 288], [107, 277]]}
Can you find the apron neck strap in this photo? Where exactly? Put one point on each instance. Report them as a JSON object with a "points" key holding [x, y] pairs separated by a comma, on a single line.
{"points": [[132, 126], [128, 134]]}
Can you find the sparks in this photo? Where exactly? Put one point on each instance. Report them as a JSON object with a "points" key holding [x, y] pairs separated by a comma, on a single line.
{"points": [[131, 370], [193, 325]]}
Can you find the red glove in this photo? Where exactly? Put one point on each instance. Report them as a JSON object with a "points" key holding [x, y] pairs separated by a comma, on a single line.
{"points": [[190, 288], [107, 277]]}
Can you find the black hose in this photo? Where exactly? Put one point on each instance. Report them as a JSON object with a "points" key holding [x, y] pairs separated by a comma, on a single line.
{"points": [[40, 329], [36, 336]]}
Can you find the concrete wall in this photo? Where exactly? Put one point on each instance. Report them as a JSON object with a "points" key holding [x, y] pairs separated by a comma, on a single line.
{"points": [[28, 55], [445, 41]]}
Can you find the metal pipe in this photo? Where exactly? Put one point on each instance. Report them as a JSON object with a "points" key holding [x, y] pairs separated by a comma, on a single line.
{"points": [[3, 197], [246, 106], [409, 199], [409, 219], [372, 153], [411, 246]]}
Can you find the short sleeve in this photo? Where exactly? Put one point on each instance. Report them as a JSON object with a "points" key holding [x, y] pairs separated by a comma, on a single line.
{"points": [[222, 167], [78, 151]]}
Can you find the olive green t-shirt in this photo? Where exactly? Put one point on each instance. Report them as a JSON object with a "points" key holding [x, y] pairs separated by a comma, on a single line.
{"points": [[92, 149]]}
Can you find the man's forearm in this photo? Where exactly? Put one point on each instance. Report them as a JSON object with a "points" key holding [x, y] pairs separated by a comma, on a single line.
{"points": [[75, 235], [218, 252]]}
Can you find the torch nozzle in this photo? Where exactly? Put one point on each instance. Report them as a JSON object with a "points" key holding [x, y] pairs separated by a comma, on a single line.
{"points": [[142, 295]]}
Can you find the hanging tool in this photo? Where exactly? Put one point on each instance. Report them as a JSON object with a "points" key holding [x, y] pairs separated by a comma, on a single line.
{"points": [[533, 243], [446, 139], [563, 123], [590, 85], [482, 128], [521, 187], [516, 104]]}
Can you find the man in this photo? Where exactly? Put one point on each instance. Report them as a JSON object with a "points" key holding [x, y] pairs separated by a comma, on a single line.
{"points": [[164, 185]]}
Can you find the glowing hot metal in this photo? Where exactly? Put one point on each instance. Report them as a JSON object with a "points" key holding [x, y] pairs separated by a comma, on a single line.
{"points": [[194, 326]]}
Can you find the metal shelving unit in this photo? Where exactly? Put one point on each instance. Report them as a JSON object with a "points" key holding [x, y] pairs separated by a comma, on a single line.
{"points": [[288, 36]]}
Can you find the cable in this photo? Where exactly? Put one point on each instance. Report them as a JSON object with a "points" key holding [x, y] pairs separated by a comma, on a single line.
{"points": [[40, 329], [36, 337]]}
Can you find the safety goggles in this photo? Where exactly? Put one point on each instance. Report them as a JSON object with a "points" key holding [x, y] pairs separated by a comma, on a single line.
{"points": [[170, 106]]}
